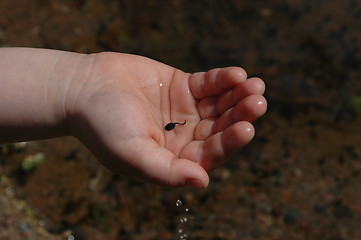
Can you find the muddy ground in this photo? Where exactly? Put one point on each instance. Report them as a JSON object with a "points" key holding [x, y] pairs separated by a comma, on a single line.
{"points": [[300, 178]]}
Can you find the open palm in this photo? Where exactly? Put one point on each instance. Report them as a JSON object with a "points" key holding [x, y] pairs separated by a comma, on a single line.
{"points": [[129, 100]]}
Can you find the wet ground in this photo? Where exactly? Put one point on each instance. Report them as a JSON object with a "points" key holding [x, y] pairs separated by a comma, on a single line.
{"points": [[299, 179]]}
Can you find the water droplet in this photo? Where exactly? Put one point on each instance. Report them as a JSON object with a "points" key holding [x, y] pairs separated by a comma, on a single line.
{"points": [[71, 237], [183, 220], [184, 237]]}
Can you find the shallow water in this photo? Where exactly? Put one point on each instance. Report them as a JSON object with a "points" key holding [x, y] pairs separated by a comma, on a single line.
{"points": [[298, 179]]}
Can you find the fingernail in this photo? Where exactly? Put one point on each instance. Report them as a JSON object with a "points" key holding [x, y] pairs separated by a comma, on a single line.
{"points": [[194, 183]]}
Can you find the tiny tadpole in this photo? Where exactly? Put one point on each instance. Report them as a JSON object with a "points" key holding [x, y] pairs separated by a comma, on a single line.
{"points": [[171, 125]]}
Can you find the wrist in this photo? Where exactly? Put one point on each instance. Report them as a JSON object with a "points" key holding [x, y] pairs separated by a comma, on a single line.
{"points": [[35, 85], [72, 88]]}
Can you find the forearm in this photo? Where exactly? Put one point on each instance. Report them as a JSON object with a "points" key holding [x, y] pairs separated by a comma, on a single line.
{"points": [[33, 92]]}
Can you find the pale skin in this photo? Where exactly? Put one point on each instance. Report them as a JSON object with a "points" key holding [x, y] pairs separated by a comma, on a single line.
{"points": [[118, 104]]}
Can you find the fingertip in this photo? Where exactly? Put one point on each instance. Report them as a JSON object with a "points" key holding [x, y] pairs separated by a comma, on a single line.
{"points": [[189, 173], [240, 133], [256, 85], [197, 183], [248, 129], [237, 73], [215, 81], [262, 105], [200, 179], [251, 108]]}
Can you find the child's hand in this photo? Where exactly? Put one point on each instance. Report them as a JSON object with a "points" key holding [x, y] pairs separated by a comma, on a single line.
{"points": [[120, 111]]}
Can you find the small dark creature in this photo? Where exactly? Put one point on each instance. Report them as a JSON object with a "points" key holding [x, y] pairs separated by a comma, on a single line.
{"points": [[171, 125]]}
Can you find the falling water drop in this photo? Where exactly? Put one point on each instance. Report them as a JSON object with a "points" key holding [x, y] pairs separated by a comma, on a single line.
{"points": [[184, 236], [183, 220], [71, 237]]}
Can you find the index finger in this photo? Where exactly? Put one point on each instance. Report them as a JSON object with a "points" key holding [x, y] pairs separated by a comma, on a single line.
{"points": [[215, 81]]}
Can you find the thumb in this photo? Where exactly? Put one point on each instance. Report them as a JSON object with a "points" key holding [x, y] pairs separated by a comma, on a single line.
{"points": [[186, 172], [160, 165]]}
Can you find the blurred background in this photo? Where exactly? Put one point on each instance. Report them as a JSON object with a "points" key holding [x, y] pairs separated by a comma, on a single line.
{"points": [[300, 178]]}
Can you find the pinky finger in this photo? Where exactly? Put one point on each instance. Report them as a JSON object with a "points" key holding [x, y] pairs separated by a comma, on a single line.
{"points": [[220, 146]]}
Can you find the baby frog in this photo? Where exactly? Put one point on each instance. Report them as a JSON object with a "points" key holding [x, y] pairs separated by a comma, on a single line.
{"points": [[171, 125]]}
